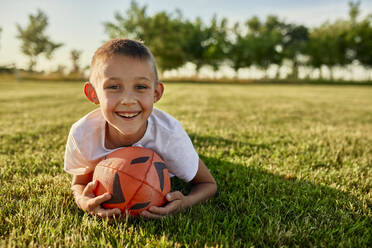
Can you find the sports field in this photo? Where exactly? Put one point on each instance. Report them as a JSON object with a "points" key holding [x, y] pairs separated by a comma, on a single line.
{"points": [[293, 165]]}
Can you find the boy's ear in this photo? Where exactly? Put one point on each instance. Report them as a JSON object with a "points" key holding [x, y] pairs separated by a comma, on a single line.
{"points": [[159, 89], [90, 93]]}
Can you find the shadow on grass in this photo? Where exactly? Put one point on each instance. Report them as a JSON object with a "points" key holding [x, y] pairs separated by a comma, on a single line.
{"points": [[255, 207]]}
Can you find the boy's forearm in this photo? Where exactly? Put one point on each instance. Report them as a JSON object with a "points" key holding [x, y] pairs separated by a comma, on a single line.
{"points": [[77, 191], [78, 185], [199, 192]]}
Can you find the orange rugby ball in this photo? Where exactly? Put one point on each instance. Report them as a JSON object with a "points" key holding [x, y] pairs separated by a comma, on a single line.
{"points": [[136, 177]]}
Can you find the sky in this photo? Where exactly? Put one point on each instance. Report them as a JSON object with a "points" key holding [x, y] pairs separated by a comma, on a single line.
{"points": [[78, 24]]}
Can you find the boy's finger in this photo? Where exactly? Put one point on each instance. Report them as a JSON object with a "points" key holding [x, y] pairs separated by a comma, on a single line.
{"points": [[89, 188], [157, 210], [108, 213], [93, 203], [102, 198], [170, 208], [150, 215], [174, 196]]}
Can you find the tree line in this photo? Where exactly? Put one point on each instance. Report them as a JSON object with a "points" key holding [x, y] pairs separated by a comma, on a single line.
{"points": [[175, 40]]}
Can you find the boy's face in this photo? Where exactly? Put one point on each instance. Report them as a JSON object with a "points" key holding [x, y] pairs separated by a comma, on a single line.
{"points": [[126, 91]]}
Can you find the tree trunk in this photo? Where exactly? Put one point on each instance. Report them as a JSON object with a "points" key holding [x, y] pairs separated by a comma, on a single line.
{"points": [[236, 76], [277, 73], [295, 70], [31, 64], [197, 70], [16, 72], [331, 72]]}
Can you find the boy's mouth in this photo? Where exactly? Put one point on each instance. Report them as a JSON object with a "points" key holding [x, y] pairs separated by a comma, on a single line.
{"points": [[128, 115]]}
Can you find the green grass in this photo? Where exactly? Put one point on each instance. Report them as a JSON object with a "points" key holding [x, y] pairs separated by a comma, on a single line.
{"points": [[293, 166]]}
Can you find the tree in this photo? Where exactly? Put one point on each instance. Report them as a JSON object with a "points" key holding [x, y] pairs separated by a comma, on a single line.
{"points": [[341, 42], [34, 40], [329, 45], [240, 49], [359, 36], [322, 48], [194, 45], [263, 40], [254, 25], [75, 57], [216, 43], [134, 24], [165, 40], [162, 33], [361, 41], [354, 11], [295, 40]]}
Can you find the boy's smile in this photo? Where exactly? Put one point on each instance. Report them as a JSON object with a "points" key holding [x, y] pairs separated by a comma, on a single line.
{"points": [[128, 115], [126, 91]]}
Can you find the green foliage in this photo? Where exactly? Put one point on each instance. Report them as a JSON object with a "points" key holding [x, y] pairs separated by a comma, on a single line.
{"points": [[34, 40], [328, 45], [134, 26], [216, 48], [165, 40], [175, 40], [264, 39], [360, 39], [354, 11], [263, 44], [162, 33], [294, 44], [194, 44], [241, 50], [341, 42], [292, 165]]}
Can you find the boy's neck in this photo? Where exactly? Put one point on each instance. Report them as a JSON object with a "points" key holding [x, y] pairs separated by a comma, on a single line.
{"points": [[114, 139]]}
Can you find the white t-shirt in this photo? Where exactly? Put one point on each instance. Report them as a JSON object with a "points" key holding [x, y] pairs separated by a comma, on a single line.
{"points": [[164, 135]]}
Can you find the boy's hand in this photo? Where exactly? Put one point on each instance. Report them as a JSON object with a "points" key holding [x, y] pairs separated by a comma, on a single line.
{"points": [[175, 204], [92, 204]]}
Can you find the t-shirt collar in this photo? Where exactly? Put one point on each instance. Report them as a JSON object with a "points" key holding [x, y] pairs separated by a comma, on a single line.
{"points": [[147, 134]]}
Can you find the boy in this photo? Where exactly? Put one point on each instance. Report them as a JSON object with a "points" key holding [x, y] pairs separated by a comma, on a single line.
{"points": [[124, 82]]}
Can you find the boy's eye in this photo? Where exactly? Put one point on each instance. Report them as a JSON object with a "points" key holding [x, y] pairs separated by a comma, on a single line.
{"points": [[141, 87], [113, 87]]}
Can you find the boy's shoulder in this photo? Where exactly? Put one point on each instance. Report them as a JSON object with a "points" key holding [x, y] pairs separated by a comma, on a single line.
{"points": [[90, 123], [164, 121], [87, 135]]}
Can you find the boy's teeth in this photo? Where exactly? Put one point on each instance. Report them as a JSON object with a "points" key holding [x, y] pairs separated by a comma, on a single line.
{"points": [[128, 115]]}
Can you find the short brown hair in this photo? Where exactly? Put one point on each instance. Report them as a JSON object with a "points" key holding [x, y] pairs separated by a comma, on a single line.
{"points": [[125, 47]]}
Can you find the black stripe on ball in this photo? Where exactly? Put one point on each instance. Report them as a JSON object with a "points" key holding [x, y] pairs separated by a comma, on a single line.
{"points": [[140, 205], [159, 166], [139, 160], [117, 195]]}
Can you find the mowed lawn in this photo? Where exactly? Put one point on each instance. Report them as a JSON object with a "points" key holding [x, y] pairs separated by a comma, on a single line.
{"points": [[293, 165]]}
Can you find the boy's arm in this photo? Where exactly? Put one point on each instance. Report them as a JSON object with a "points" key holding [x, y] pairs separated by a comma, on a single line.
{"points": [[203, 187], [82, 189]]}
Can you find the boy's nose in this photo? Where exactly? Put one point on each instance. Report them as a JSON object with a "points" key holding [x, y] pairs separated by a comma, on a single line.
{"points": [[127, 99]]}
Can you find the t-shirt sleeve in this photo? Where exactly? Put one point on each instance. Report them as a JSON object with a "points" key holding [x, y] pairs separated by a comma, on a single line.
{"points": [[75, 163], [180, 156]]}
